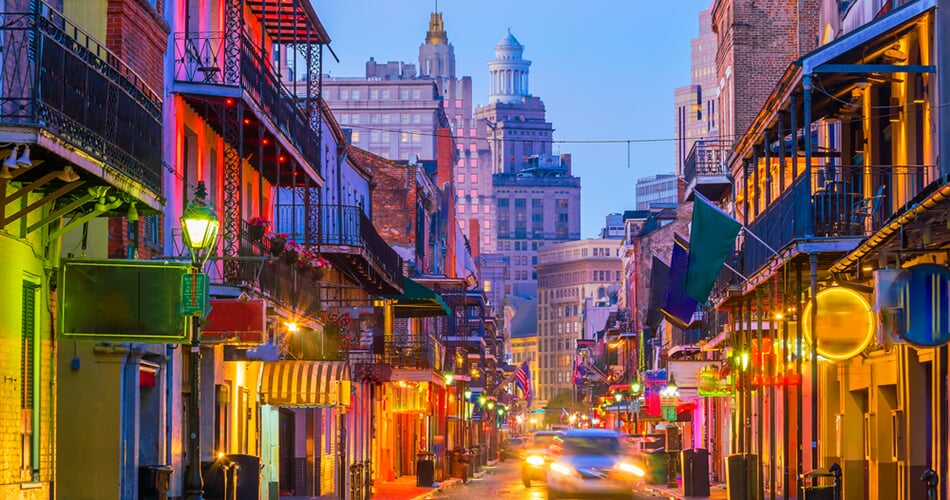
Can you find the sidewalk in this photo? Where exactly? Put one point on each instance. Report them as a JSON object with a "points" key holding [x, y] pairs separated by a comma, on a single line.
{"points": [[717, 491]]}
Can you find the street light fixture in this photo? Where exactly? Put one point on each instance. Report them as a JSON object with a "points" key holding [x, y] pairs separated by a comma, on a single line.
{"points": [[199, 226]]}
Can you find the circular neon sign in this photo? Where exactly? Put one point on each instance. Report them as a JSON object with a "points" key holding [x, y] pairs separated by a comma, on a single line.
{"points": [[844, 321]]}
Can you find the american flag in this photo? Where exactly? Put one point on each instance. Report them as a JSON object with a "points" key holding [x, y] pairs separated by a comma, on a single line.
{"points": [[523, 381]]}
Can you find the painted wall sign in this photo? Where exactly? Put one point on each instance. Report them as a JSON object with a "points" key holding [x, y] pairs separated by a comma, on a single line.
{"points": [[844, 323]]}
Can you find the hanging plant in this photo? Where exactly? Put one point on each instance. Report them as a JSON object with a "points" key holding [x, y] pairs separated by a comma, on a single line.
{"points": [[256, 227], [277, 242]]}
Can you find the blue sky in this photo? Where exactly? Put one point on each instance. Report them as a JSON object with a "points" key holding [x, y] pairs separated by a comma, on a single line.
{"points": [[605, 69]]}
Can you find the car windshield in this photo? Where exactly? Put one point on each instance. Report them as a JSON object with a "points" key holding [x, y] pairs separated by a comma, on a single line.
{"points": [[590, 445], [515, 442], [542, 440]]}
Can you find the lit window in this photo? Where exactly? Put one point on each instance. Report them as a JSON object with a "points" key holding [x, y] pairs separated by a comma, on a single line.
{"points": [[460, 208], [471, 132], [487, 222], [473, 178], [487, 208], [356, 136], [404, 137], [473, 162], [458, 103], [473, 193], [487, 285], [460, 178], [460, 193], [416, 137], [462, 223], [458, 118], [474, 208], [473, 148]]}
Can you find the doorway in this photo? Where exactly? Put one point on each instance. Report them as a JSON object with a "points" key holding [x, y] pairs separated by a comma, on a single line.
{"points": [[286, 452]]}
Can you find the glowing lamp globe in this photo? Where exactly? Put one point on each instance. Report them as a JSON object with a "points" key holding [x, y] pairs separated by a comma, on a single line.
{"points": [[844, 323], [199, 226]]}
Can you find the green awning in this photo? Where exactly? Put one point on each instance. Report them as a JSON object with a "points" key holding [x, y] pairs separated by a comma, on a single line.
{"points": [[418, 301]]}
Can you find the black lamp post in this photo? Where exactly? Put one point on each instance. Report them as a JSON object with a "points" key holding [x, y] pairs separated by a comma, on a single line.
{"points": [[199, 226]]}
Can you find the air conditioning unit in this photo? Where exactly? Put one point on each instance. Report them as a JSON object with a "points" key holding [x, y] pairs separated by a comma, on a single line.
{"points": [[888, 308]]}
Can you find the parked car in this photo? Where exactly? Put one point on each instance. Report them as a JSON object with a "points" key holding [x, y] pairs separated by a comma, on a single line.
{"points": [[512, 447], [536, 457], [591, 462]]}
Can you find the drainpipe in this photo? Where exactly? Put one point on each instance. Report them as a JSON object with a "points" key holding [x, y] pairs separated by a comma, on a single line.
{"points": [[813, 264]]}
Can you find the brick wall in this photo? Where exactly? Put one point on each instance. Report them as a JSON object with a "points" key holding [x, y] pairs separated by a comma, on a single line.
{"points": [[758, 40], [394, 204], [137, 33]]}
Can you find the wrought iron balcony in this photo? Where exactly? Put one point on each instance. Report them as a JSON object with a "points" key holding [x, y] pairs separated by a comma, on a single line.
{"points": [[58, 78], [705, 170], [349, 238], [847, 201], [414, 352], [220, 67]]}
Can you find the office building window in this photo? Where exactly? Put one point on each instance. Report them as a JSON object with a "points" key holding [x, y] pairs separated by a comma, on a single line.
{"points": [[473, 178]]}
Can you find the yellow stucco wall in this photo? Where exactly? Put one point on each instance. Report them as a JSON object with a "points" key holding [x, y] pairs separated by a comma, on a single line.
{"points": [[88, 14]]}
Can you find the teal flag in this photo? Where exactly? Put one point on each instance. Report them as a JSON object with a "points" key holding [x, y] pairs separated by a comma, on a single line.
{"points": [[712, 238]]}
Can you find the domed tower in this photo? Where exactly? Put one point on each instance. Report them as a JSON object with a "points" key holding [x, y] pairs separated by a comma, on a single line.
{"points": [[508, 72]]}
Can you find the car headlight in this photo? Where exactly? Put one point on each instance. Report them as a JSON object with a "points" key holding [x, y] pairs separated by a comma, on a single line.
{"points": [[632, 469], [534, 460], [562, 469]]}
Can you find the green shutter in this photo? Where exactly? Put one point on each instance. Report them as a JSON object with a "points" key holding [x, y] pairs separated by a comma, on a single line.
{"points": [[28, 344]]}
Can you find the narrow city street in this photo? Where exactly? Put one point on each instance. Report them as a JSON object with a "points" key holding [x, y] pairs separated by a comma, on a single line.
{"points": [[503, 482]]}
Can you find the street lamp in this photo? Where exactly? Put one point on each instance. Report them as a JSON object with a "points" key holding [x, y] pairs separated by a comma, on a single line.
{"points": [[199, 226]]}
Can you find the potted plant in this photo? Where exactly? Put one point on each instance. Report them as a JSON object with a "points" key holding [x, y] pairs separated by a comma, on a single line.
{"points": [[291, 252], [256, 227], [277, 242], [314, 262]]}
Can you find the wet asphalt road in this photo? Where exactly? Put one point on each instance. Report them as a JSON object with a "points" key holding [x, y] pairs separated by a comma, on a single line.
{"points": [[503, 482]]}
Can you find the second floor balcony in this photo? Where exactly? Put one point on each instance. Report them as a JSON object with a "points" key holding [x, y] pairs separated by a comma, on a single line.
{"points": [[224, 68], [348, 237], [65, 92], [706, 170], [414, 352]]}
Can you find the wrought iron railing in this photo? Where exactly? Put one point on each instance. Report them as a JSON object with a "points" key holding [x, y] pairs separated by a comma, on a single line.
{"points": [[706, 158], [59, 78], [201, 58], [414, 352], [347, 225], [847, 201]]}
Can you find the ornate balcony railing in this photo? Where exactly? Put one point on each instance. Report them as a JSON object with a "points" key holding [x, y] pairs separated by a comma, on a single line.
{"points": [[204, 58], [706, 158], [347, 225], [847, 201], [59, 78], [414, 352]]}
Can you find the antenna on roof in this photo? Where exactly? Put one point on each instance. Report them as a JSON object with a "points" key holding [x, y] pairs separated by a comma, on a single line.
{"points": [[436, 6]]}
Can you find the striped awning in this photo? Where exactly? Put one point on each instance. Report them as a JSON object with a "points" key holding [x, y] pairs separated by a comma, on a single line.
{"points": [[305, 383]]}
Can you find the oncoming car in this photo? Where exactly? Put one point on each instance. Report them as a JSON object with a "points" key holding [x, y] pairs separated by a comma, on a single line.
{"points": [[591, 462], [536, 457]]}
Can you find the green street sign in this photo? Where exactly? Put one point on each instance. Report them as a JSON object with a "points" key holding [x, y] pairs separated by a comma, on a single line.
{"points": [[669, 413], [194, 294]]}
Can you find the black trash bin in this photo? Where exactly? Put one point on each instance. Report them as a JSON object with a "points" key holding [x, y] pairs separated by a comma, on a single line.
{"points": [[824, 492], [425, 469], [247, 476], [219, 478], [742, 476], [695, 463], [154, 482]]}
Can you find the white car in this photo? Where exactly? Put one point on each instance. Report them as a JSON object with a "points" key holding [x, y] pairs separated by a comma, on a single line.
{"points": [[591, 463]]}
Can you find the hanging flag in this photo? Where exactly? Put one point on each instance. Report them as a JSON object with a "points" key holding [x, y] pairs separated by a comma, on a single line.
{"points": [[712, 238], [577, 376], [659, 284], [523, 381], [678, 307]]}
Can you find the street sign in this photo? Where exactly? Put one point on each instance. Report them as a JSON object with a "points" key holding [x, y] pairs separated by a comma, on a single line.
{"points": [[194, 294], [669, 413]]}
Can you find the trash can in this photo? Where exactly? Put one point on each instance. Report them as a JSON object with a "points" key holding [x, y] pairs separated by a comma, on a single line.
{"points": [[246, 481], [154, 482], [219, 479], [742, 476], [695, 463], [425, 469], [656, 466], [824, 492]]}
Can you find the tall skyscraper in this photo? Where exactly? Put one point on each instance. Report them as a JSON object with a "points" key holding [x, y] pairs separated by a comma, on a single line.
{"points": [[395, 109], [537, 198], [696, 103]]}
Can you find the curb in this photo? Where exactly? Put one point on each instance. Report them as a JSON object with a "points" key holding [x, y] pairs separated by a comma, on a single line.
{"points": [[448, 483]]}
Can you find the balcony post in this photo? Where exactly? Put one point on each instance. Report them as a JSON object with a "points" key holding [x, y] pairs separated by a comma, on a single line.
{"points": [[806, 130]]}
